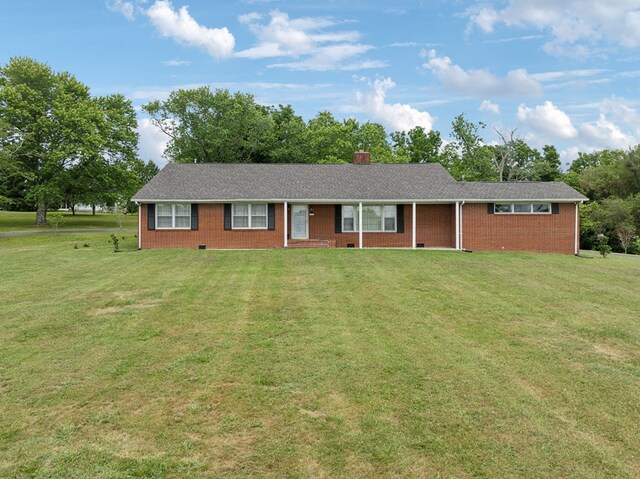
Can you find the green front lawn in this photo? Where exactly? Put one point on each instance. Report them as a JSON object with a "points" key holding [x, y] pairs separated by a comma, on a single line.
{"points": [[319, 363], [25, 221]]}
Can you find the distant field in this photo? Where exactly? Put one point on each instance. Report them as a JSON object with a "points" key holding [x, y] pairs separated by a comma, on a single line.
{"points": [[325, 363], [25, 221]]}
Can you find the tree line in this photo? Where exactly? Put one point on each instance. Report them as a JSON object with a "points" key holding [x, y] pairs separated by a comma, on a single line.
{"points": [[218, 126], [611, 180], [60, 145]]}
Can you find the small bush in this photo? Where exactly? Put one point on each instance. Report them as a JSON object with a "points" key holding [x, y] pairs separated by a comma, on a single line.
{"points": [[55, 220], [86, 245], [75, 246], [602, 245], [116, 243]]}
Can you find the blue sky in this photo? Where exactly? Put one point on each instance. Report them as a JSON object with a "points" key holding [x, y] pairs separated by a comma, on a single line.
{"points": [[563, 72]]}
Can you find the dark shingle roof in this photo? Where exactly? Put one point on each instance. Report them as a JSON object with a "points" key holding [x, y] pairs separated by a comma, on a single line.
{"points": [[291, 182], [520, 190]]}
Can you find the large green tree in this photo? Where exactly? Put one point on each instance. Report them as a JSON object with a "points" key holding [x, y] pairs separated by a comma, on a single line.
{"points": [[207, 126], [547, 166], [416, 145], [51, 125], [466, 156], [287, 141]]}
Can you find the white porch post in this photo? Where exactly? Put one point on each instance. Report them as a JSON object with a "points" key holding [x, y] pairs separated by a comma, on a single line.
{"points": [[576, 249], [140, 225], [413, 225], [286, 223], [461, 223], [360, 225], [457, 225]]}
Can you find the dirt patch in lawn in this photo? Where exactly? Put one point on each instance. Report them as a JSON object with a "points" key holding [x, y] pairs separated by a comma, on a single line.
{"points": [[609, 351]]}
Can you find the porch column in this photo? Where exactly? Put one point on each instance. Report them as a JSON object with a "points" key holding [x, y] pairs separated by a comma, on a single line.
{"points": [[461, 223], [457, 225], [413, 225], [139, 225], [286, 223], [360, 225], [576, 249]]}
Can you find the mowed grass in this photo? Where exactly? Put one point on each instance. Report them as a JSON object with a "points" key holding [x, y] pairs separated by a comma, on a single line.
{"points": [[25, 221], [325, 363]]}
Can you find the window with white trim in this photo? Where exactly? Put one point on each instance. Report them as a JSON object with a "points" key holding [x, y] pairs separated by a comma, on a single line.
{"points": [[349, 218], [173, 215], [522, 208], [375, 218], [249, 216]]}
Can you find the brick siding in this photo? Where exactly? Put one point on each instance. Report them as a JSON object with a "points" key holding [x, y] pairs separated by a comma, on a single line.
{"points": [[211, 232], [518, 232], [435, 228]]}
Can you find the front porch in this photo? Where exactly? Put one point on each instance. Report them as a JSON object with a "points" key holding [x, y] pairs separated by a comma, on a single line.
{"points": [[385, 225]]}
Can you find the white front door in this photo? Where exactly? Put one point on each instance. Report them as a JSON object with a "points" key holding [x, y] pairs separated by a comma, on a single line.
{"points": [[299, 222]]}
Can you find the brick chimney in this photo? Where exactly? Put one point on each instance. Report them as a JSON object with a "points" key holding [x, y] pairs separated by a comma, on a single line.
{"points": [[361, 158]]}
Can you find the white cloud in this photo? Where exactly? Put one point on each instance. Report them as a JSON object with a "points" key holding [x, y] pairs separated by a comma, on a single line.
{"points": [[605, 133], [125, 8], [181, 26], [548, 119], [569, 154], [176, 62], [489, 106], [152, 142], [621, 111], [574, 25], [481, 82], [396, 116], [617, 126], [567, 74], [306, 40], [333, 57], [404, 44]]}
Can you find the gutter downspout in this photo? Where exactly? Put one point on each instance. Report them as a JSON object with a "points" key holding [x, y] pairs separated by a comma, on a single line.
{"points": [[139, 225], [286, 223], [360, 225], [413, 226], [461, 233], [576, 246], [457, 225]]}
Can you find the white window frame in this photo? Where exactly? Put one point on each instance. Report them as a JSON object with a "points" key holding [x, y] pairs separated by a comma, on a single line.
{"points": [[250, 215], [173, 217], [355, 219], [530, 212], [383, 217]]}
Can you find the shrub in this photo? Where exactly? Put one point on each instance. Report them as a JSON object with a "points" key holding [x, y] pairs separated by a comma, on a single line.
{"points": [[116, 243], [602, 245], [55, 220]]}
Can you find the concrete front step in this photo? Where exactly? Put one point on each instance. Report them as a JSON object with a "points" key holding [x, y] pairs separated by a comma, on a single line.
{"points": [[312, 243]]}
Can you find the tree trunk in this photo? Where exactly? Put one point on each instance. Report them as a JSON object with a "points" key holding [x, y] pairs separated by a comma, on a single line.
{"points": [[93, 210], [41, 214], [73, 209]]}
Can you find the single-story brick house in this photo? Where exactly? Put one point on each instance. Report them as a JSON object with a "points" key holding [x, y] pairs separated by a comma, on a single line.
{"points": [[324, 205]]}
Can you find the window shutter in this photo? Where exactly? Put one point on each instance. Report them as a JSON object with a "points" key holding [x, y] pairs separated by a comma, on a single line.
{"points": [[194, 216], [338, 218], [400, 218], [227, 216], [555, 208], [490, 208], [151, 216], [271, 216]]}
